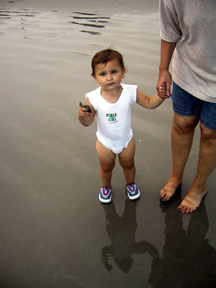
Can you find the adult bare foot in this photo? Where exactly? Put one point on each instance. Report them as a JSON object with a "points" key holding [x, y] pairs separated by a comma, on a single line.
{"points": [[191, 201], [169, 189]]}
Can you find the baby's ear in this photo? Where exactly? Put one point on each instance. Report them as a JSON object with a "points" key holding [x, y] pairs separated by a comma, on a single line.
{"points": [[95, 80], [93, 75]]}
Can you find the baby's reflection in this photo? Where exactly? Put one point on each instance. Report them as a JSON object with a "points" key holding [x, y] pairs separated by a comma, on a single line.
{"points": [[188, 258], [121, 231]]}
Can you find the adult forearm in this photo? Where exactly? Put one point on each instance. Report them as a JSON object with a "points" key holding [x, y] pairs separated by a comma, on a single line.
{"points": [[165, 78], [167, 49]]}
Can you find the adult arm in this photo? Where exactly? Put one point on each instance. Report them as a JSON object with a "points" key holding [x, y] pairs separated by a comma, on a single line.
{"points": [[167, 49]]}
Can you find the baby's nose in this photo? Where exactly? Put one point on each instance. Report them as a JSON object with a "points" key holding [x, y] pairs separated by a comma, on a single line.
{"points": [[109, 76]]}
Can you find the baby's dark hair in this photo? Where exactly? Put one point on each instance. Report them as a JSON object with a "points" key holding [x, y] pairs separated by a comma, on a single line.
{"points": [[102, 57]]}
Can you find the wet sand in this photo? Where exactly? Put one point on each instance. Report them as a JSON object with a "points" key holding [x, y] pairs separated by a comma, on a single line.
{"points": [[53, 230]]}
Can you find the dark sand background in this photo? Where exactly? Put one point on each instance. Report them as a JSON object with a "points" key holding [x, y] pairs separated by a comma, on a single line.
{"points": [[53, 230]]}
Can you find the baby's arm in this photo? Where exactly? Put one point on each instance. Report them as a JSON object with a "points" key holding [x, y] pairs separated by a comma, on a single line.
{"points": [[150, 102], [86, 118]]}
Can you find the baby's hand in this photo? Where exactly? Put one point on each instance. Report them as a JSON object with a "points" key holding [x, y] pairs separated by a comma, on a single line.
{"points": [[163, 90], [84, 110]]}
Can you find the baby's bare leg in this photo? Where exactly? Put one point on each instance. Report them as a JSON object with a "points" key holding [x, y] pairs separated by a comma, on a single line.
{"points": [[107, 163], [126, 160]]}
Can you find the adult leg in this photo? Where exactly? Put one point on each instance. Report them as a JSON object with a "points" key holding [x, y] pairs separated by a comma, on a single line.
{"points": [[206, 165], [181, 142], [107, 163], [126, 160]]}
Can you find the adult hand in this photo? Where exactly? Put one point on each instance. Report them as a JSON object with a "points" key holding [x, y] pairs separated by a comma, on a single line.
{"points": [[164, 79]]}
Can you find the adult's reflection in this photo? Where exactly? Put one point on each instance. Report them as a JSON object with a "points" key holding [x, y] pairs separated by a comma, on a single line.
{"points": [[121, 231], [188, 259]]}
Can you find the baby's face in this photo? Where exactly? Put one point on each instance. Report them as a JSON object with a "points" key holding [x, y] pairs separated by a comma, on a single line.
{"points": [[109, 75]]}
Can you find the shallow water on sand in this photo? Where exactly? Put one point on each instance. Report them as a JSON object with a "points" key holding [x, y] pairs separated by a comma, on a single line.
{"points": [[54, 231]]}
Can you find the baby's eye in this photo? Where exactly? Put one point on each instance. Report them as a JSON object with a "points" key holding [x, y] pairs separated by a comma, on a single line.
{"points": [[102, 74], [114, 71]]}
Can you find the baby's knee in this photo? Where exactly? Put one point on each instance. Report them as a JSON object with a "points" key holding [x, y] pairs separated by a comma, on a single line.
{"points": [[107, 167], [127, 164]]}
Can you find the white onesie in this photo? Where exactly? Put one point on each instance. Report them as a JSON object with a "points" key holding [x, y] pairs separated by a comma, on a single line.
{"points": [[114, 119]]}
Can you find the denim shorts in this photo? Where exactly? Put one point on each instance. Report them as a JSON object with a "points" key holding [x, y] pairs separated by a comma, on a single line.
{"points": [[185, 104]]}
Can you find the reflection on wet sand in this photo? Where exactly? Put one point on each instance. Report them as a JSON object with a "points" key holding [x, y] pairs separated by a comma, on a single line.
{"points": [[188, 259], [121, 231], [92, 18], [92, 21], [8, 14]]}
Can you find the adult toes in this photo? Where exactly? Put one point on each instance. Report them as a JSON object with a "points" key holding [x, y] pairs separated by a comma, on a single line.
{"points": [[163, 195], [181, 208], [185, 209], [166, 198]]}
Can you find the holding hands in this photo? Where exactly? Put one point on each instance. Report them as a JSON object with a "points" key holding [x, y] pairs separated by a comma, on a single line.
{"points": [[163, 91], [164, 84]]}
